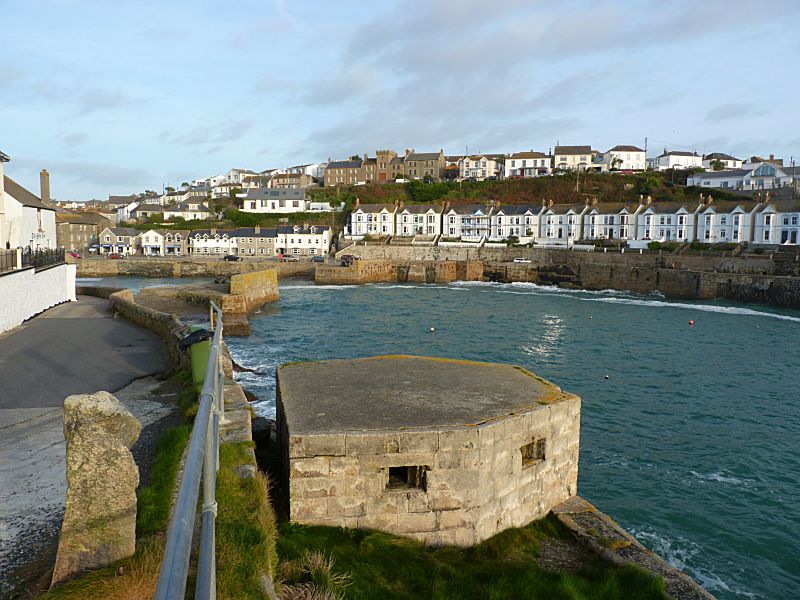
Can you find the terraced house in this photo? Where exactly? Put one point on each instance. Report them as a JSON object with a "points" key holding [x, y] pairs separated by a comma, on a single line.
{"points": [[517, 220], [212, 241], [419, 220], [611, 221], [371, 219], [79, 231], [668, 221], [118, 240], [562, 223], [726, 221], [305, 240], [256, 241], [467, 222], [344, 172]]}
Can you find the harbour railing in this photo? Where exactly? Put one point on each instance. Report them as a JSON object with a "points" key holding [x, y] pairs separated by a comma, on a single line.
{"points": [[202, 461]]}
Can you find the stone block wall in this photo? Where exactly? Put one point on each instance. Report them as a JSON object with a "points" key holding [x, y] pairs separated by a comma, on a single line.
{"points": [[465, 484]]}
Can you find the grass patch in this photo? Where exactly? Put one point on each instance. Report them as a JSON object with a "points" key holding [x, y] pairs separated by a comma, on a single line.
{"points": [[246, 529], [506, 566], [155, 500]]}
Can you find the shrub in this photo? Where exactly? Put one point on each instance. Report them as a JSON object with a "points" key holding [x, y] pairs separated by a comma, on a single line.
{"points": [[654, 246]]}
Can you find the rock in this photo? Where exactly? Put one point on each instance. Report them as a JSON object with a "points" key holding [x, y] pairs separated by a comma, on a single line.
{"points": [[246, 471], [99, 524]]}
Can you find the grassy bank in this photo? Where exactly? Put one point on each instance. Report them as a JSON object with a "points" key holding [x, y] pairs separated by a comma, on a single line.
{"points": [[372, 565]]}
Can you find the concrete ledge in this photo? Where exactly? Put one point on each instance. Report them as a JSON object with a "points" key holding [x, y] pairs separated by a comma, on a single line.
{"points": [[604, 536]]}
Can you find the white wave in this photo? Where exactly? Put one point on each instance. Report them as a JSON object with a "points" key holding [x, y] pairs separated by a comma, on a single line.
{"points": [[719, 478], [726, 310], [283, 288], [84, 279]]}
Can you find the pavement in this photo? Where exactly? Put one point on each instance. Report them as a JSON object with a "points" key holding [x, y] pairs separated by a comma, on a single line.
{"points": [[70, 349]]}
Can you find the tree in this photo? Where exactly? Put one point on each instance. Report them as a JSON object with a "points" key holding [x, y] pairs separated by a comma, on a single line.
{"points": [[169, 189], [717, 164], [185, 184], [615, 163]]}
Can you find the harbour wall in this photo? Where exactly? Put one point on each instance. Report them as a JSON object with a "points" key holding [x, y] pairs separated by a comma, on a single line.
{"points": [[185, 267], [693, 277]]}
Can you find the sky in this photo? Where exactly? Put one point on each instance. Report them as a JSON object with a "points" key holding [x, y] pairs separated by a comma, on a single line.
{"points": [[118, 97]]}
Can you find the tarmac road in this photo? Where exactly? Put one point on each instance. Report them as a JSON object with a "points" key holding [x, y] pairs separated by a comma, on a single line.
{"points": [[70, 349]]}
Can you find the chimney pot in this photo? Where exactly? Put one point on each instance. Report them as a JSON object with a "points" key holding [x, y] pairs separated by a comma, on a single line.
{"points": [[258, 228], [550, 203]]}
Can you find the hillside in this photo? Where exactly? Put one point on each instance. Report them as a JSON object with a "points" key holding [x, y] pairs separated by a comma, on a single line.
{"points": [[559, 188]]}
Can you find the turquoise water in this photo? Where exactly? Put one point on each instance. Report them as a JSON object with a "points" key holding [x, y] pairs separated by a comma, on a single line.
{"points": [[691, 442]]}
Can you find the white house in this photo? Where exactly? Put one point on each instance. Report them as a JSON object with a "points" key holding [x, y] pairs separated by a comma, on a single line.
{"points": [[753, 176], [237, 176], [611, 221], [310, 169], [477, 167], [191, 210], [675, 159], [518, 220], [468, 222], [667, 221], [777, 222], [151, 243], [305, 240], [224, 189], [372, 219], [267, 200], [562, 223], [212, 241], [25, 221], [527, 164], [576, 158], [726, 161], [621, 158], [418, 219], [726, 221]]}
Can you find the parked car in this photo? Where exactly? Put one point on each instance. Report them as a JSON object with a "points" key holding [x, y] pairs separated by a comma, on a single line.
{"points": [[231, 257], [519, 259], [290, 259], [318, 259], [74, 254], [114, 255]]}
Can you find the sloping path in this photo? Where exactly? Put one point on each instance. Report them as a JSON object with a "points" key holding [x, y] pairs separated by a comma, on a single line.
{"points": [[70, 349]]}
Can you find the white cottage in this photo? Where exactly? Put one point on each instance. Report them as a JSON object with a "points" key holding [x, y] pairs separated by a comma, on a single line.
{"points": [[305, 240], [611, 221], [675, 159], [418, 219], [518, 220], [25, 221], [527, 164], [726, 221], [212, 242], [778, 222], [667, 221], [372, 219], [562, 223], [468, 222]]}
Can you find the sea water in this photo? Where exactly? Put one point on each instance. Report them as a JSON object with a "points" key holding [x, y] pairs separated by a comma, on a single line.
{"points": [[689, 434]]}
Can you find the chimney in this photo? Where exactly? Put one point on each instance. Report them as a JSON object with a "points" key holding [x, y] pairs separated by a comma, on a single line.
{"points": [[401, 206], [257, 229], [544, 203], [710, 200], [649, 201], [305, 225], [772, 157], [44, 186], [550, 204], [365, 156], [594, 201], [213, 231], [357, 203]]}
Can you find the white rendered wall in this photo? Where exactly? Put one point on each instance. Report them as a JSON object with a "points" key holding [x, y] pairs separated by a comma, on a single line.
{"points": [[28, 292]]}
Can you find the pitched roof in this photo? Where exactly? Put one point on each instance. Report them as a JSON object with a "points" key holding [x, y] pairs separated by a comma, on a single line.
{"points": [[671, 207], [530, 154], [624, 148], [81, 218], [268, 232], [345, 164], [726, 206], [130, 231], [519, 209], [149, 207], [784, 205], [565, 208], [121, 199], [23, 196], [421, 208], [397, 160], [424, 156], [573, 150], [373, 208], [719, 156], [196, 233], [678, 153], [302, 228], [607, 208], [469, 209]]}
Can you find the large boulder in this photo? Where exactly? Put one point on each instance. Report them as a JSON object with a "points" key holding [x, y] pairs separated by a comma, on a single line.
{"points": [[100, 518]]}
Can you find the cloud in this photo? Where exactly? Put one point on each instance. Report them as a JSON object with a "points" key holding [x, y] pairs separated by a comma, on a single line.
{"points": [[734, 110], [100, 174], [217, 136], [74, 139]]}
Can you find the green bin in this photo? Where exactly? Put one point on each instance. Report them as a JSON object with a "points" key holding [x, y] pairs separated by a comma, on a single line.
{"points": [[198, 355]]}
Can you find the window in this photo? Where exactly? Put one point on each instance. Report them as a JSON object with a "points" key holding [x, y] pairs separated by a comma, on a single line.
{"points": [[533, 453], [403, 478]]}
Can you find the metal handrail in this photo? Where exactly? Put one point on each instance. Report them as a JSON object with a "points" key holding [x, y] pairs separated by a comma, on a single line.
{"points": [[202, 459]]}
